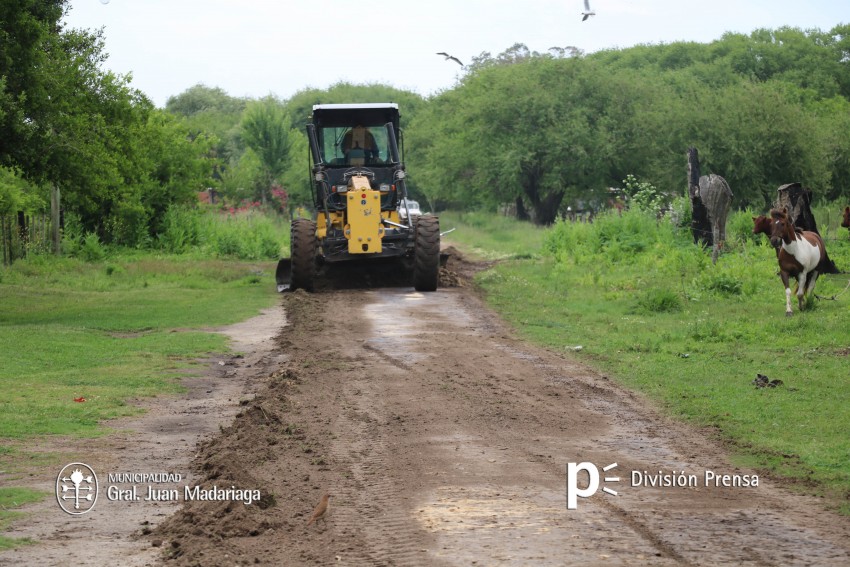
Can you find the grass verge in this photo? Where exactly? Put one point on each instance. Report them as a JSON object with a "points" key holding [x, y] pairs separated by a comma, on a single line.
{"points": [[80, 339], [650, 309], [487, 236]]}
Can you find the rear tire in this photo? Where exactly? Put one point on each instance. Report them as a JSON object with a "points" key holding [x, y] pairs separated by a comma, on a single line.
{"points": [[426, 253], [303, 247]]}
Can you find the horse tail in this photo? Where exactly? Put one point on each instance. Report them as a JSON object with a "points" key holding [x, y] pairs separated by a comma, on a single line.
{"points": [[827, 266]]}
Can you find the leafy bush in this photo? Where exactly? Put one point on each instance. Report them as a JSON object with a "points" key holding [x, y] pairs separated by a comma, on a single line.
{"points": [[644, 196], [739, 228], [659, 301], [181, 229], [635, 235], [91, 249], [722, 283], [227, 243], [246, 235]]}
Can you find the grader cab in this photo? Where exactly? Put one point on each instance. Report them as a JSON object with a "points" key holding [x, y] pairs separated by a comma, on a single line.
{"points": [[358, 184]]}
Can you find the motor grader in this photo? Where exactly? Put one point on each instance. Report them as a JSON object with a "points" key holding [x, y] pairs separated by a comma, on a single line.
{"points": [[358, 188]]}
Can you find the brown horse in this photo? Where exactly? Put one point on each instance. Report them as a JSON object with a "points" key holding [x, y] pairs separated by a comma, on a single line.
{"points": [[763, 225], [802, 255], [846, 222]]}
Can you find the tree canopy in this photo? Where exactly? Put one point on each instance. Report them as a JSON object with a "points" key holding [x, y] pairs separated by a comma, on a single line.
{"points": [[66, 121], [548, 130], [540, 131]]}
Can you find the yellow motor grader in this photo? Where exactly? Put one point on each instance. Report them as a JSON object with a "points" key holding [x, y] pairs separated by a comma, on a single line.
{"points": [[358, 184]]}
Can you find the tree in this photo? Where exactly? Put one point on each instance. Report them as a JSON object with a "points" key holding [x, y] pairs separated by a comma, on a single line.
{"points": [[521, 127], [266, 130], [212, 112], [66, 122], [26, 27]]}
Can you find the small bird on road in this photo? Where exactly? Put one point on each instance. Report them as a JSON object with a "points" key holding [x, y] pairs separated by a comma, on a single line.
{"points": [[321, 510], [452, 57], [587, 11]]}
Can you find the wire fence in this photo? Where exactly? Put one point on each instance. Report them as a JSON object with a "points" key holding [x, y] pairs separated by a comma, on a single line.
{"points": [[22, 234]]}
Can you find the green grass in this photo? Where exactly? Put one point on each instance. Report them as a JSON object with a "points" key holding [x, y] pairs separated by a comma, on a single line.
{"points": [[651, 310], [106, 332], [488, 236], [10, 499]]}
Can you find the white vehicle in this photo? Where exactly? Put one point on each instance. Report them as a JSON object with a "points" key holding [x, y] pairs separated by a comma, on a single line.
{"points": [[408, 206]]}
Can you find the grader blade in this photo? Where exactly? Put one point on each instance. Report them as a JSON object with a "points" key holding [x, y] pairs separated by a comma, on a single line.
{"points": [[283, 275]]}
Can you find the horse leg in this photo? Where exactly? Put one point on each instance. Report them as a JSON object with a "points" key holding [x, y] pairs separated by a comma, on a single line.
{"points": [[801, 290], [786, 281], [810, 288]]}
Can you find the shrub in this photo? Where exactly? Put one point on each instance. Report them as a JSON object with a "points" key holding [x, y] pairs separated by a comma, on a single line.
{"points": [[227, 244], [658, 301], [91, 249], [722, 283], [644, 196], [181, 229], [739, 227]]}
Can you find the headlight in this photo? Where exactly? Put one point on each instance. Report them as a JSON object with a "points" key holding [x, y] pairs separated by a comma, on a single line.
{"points": [[385, 187]]}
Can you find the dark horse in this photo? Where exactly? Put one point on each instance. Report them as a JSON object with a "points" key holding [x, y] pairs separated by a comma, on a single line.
{"points": [[846, 222], [802, 255]]}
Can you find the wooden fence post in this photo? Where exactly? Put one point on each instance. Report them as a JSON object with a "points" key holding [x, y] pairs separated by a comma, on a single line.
{"points": [[55, 224], [3, 238]]}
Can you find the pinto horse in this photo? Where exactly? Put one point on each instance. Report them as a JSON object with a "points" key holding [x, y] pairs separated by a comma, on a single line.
{"points": [[801, 255]]}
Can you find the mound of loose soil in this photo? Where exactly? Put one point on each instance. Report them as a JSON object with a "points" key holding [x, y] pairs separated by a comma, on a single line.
{"points": [[267, 449]]}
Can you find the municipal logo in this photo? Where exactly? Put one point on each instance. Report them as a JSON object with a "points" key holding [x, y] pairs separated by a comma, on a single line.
{"points": [[76, 488]]}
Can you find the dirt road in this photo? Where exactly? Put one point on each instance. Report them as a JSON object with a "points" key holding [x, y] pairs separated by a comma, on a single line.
{"points": [[445, 441]]}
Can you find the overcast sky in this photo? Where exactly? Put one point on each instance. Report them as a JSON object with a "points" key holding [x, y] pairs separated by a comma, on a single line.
{"points": [[259, 47]]}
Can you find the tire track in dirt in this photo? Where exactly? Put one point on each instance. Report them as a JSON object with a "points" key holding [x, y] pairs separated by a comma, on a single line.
{"points": [[450, 422], [361, 449], [444, 441]]}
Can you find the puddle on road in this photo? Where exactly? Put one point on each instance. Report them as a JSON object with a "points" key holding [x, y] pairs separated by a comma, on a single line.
{"points": [[397, 319]]}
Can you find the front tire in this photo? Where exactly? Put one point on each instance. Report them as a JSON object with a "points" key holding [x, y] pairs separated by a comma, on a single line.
{"points": [[426, 253], [303, 247]]}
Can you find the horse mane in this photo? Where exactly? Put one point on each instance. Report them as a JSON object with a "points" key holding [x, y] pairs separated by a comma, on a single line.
{"points": [[776, 214]]}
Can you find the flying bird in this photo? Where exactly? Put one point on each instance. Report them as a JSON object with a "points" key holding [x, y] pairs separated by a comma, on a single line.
{"points": [[587, 11], [453, 58]]}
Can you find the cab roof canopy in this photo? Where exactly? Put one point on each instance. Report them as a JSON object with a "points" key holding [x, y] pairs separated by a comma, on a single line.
{"points": [[367, 114], [355, 105]]}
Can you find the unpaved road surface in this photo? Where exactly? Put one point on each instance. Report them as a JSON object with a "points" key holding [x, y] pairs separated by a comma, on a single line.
{"points": [[445, 441]]}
